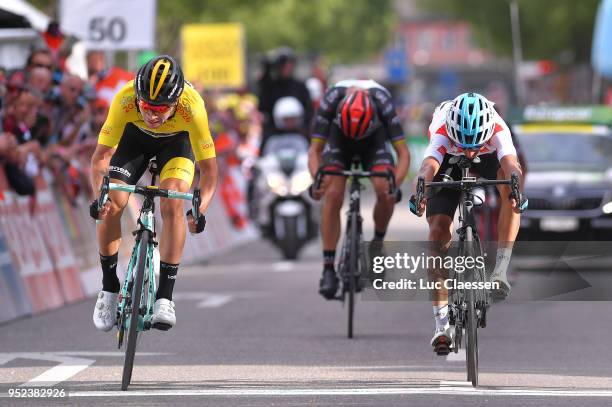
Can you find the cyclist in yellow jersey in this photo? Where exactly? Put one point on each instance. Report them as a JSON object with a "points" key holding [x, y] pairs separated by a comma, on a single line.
{"points": [[156, 115]]}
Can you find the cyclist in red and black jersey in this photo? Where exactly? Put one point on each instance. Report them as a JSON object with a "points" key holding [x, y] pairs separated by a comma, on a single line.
{"points": [[356, 118]]}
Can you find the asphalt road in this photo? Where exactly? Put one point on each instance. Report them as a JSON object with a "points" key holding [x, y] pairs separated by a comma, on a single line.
{"points": [[252, 331]]}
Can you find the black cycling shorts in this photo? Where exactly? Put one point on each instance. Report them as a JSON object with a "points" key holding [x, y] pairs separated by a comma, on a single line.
{"points": [[373, 152], [173, 153], [444, 201]]}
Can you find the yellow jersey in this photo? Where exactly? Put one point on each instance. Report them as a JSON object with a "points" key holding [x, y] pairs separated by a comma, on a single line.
{"points": [[190, 116]]}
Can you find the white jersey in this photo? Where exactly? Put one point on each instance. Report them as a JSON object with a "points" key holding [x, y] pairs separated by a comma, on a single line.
{"points": [[440, 144]]}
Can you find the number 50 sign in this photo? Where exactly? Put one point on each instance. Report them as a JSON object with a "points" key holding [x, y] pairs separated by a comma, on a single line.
{"points": [[110, 24]]}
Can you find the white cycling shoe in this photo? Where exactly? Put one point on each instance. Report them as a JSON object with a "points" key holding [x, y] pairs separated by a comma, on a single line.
{"points": [[164, 316], [442, 340], [105, 312], [504, 286]]}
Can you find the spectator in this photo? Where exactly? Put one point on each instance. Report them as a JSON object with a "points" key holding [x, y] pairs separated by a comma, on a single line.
{"points": [[107, 80], [40, 81], [70, 111], [22, 162]]}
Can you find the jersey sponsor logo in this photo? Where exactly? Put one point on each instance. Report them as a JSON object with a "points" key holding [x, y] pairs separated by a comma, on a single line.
{"points": [[128, 103], [105, 130], [208, 145], [177, 169], [184, 110], [120, 170]]}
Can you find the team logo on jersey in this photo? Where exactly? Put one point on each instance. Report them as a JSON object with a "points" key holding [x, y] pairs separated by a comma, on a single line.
{"points": [[207, 146], [128, 103], [184, 110]]}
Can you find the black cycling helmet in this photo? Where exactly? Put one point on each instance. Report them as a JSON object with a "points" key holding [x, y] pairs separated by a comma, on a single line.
{"points": [[160, 81]]}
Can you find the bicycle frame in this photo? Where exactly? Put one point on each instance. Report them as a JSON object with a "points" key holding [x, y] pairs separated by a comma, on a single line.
{"points": [[146, 221], [349, 264], [468, 307]]}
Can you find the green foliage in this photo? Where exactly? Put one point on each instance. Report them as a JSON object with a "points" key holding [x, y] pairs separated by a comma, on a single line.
{"points": [[558, 29], [338, 29]]}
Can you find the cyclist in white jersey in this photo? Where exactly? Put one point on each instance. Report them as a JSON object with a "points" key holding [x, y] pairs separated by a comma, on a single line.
{"points": [[468, 125]]}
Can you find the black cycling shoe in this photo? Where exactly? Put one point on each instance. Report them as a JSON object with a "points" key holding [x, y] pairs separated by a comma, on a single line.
{"points": [[328, 285]]}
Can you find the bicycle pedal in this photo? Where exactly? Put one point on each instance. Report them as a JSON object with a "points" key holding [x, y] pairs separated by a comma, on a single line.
{"points": [[161, 326]]}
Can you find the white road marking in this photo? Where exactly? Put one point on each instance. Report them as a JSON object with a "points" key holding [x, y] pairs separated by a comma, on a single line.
{"points": [[69, 365], [456, 390], [283, 266], [109, 354], [214, 300], [456, 357], [64, 371], [454, 383]]}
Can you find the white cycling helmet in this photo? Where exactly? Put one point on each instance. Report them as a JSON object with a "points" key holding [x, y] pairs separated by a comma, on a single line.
{"points": [[286, 108], [470, 120]]}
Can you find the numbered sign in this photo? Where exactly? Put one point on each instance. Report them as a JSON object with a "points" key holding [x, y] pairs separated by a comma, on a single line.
{"points": [[111, 24]]}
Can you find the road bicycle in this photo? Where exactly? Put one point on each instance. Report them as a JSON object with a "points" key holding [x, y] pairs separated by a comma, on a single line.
{"points": [[137, 296], [351, 263], [468, 307]]}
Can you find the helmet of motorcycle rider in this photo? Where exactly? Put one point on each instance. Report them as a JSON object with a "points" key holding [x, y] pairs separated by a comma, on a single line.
{"points": [[288, 114]]}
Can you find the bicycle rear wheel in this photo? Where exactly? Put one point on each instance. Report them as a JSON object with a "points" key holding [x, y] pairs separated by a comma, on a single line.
{"points": [[132, 336], [471, 317], [352, 270]]}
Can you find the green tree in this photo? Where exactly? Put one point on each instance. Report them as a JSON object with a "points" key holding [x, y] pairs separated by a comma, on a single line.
{"points": [[338, 29], [559, 29]]}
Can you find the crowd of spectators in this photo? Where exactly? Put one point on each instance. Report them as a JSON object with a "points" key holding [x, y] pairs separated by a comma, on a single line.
{"points": [[49, 121], [50, 118]]}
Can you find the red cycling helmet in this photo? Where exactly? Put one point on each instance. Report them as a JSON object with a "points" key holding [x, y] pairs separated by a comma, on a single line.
{"points": [[357, 114]]}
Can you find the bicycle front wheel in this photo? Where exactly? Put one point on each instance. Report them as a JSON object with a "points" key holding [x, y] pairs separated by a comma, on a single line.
{"points": [[472, 322], [132, 337], [352, 270]]}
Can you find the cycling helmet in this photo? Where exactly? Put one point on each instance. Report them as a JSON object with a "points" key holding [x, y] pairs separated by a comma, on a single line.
{"points": [[285, 108], [159, 81], [357, 114], [470, 120]]}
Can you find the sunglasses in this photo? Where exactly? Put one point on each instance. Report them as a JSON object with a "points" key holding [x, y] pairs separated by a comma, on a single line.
{"points": [[38, 65], [154, 108]]}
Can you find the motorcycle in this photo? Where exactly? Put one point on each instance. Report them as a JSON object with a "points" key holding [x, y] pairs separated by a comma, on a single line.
{"points": [[280, 202]]}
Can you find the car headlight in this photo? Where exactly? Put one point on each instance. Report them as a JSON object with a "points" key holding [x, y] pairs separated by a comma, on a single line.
{"points": [[607, 208], [277, 183], [300, 182]]}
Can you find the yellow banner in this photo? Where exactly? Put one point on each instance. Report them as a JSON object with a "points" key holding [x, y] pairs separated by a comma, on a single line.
{"points": [[213, 54]]}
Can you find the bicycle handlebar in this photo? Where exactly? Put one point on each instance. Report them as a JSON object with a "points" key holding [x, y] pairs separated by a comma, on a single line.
{"points": [[393, 190], [150, 192], [466, 185]]}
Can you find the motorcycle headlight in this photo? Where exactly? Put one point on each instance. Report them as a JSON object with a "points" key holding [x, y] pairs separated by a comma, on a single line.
{"points": [[277, 183], [300, 182]]}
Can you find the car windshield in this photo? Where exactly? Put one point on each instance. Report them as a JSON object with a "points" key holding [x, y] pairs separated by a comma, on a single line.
{"points": [[566, 151]]}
